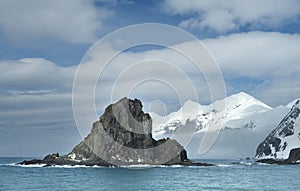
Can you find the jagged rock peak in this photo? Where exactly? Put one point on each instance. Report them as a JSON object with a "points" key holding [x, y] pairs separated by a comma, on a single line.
{"points": [[123, 136], [129, 115], [297, 104]]}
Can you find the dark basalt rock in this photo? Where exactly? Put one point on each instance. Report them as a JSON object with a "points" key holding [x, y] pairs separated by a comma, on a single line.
{"points": [[294, 158], [122, 136]]}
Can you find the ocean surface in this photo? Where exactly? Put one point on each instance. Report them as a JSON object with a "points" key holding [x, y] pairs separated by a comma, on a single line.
{"points": [[225, 176]]}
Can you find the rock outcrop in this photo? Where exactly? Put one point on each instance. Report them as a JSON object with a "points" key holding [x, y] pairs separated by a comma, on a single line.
{"points": [[294, 158], [283, 139], [122, 136]]}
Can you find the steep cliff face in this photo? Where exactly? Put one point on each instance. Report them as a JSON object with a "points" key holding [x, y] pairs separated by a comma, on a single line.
{"points": [[284, 138], [122, 136]]}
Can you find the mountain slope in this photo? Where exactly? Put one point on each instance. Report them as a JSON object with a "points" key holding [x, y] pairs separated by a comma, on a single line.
{"points": [[292, 103], [285, 137], [236, 107], [240, 137], [245, 121]]}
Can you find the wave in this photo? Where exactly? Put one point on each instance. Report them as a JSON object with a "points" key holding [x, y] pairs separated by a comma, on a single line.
{"points": [[145, 166], [30, 165], [224, 165], [263, 164]]}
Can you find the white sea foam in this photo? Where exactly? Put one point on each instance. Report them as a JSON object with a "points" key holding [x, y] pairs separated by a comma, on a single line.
{"points": [[224, 165], [262, 164], [30, 165], [54, 166], [137, 166], [10, 164], [143, 166], [246, 163]]}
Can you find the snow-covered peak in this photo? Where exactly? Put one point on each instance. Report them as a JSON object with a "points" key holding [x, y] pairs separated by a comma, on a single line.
{"points": [[204, 117], [190, 103], [245, 99], [241, 95], [294, 103], [240, 105], [297, 104], [191, 107]]}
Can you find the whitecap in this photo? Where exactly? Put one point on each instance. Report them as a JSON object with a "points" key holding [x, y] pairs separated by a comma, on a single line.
{"points": [[224, 165], [31, 165]]}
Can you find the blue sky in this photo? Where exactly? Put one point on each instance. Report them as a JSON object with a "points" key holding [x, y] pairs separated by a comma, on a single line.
{"points": [[256, 44]]}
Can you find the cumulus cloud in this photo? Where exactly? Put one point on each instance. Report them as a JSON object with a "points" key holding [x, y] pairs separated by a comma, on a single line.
{"points": [[223, 16], [34, 75], [68, 21], [265, 64]]}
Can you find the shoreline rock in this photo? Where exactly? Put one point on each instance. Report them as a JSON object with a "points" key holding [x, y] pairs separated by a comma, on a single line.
{"points": [[294, 158]]}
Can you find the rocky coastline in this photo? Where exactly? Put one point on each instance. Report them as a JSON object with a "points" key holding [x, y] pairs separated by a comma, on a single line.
{"points": [[294, 158]]}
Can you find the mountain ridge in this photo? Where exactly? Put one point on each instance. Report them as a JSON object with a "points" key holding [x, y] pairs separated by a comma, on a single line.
{"points": [[245, 122], [233, 107]]}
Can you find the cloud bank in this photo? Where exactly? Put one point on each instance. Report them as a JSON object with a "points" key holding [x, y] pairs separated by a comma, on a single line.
{"points": [[224, 16], [265, 64], [68, 21]]}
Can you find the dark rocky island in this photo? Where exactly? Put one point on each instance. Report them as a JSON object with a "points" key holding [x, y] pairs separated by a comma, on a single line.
{"points": [[122, 136]]}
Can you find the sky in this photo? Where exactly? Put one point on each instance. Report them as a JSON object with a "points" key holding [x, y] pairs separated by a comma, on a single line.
{"points": [[42, 43]]}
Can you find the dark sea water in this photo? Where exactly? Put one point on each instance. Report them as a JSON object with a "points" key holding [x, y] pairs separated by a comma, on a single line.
{"points": [[225, 176]]}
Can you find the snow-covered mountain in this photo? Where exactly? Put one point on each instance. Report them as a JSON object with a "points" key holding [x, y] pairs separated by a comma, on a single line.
{"points": [[244, 122], [292, 103], [228, 112], [285, 137]]}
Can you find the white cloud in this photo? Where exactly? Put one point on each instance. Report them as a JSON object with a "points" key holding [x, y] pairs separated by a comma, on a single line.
{"points": [[256, 54], [223, 16], [69, 21], [268, 61], [33, 74], [115, 2]]}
